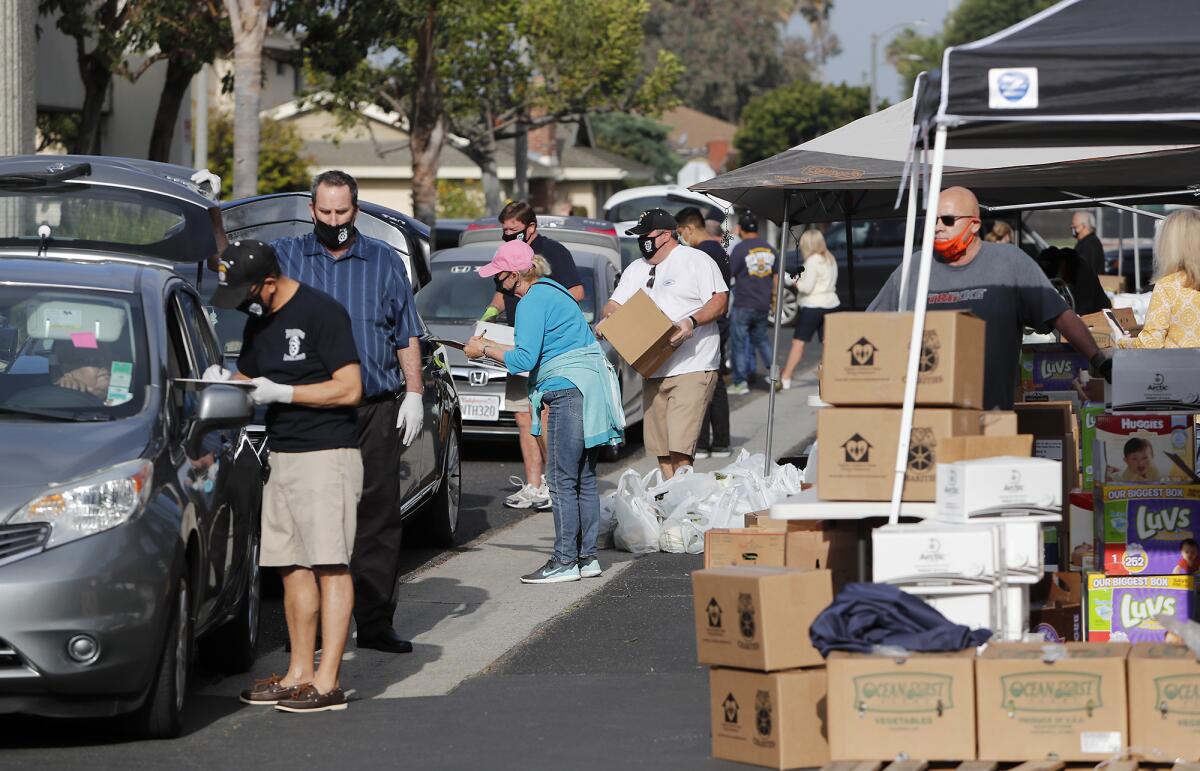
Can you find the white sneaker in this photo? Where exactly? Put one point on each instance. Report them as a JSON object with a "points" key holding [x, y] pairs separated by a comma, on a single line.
{"points": [[787, 384], [523, 498], [541, 496], [700, 454], [590, 568]]}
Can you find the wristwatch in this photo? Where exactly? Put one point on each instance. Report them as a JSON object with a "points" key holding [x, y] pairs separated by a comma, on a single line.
{"points": [[695, 324]]}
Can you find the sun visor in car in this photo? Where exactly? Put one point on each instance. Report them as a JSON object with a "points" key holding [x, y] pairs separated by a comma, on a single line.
{"points": [[60, 319]]}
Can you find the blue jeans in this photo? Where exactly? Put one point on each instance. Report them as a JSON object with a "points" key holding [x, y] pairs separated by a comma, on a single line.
{"points": [[571, 477], [749, 329]]}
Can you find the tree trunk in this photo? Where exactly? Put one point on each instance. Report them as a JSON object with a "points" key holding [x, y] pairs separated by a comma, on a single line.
{"points": [[179, 77], [18, 108], [248, 18], [427, 127], [521, 162], [483, 154], [96, 80]]}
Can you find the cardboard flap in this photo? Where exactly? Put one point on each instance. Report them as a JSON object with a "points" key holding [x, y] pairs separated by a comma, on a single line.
{"points": [[956, 448]]}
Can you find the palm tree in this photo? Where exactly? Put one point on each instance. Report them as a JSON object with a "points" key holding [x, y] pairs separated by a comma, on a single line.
{"points": [[249, 21], [824, 44]]}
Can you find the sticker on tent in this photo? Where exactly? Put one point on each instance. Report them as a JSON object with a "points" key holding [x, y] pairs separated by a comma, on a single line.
{"points": [[1013, 88]]}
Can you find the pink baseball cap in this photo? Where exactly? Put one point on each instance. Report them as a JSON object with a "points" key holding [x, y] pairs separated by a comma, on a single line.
{"points": [[512, 256]]}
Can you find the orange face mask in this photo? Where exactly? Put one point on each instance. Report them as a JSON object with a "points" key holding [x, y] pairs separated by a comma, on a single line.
{"points": [[950, 249]]}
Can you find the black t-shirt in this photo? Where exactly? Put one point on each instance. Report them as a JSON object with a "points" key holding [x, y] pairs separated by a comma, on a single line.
{"points": [[302, 343], [713, 249], [562, 270]]}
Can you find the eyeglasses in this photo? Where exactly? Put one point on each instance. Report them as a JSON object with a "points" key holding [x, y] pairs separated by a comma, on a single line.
{"points": [[949, 219], [650, 281]]}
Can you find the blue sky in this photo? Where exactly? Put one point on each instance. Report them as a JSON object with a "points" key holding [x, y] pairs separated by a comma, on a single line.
{"points": [[853, 21]]}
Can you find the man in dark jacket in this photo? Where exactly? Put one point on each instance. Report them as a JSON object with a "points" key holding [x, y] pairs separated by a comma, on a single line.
{"points": [[1087, 243]]}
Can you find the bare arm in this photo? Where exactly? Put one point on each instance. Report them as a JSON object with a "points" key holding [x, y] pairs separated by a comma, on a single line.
{"points": [[610, 308], [577, 292], [710, 311], [410, 365], [1076, 332], [498, 301], [344, 389]]}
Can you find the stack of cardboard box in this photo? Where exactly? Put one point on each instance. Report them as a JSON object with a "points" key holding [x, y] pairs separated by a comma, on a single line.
{"points": [[863, 367], [777, 543], [767, 682]]}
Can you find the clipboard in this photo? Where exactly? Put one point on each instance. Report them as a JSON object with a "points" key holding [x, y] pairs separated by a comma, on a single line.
{"points": [[195, 383], [488, 360]]}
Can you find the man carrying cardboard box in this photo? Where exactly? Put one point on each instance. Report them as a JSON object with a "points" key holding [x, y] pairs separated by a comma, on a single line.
{"points": [[687, 286], [1000, 284]]}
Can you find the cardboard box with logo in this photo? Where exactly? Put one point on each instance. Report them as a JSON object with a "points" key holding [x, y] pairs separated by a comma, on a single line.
{"points": [[1164, 702], [1064, 702], [986, 486], [856, 451], [922, 706], [1102, 330], [813, 545], [1150, 448], [1050, 367], [758, 618], [1057, 608], [1126, 608], [1147, 529], [775, 720], [1155, 379], [865, 357], [641, 333]]}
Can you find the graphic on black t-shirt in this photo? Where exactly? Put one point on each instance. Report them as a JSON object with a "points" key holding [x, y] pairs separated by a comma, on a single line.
{"points": [[302, 343]]}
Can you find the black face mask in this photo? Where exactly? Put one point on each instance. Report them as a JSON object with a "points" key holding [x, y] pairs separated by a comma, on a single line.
{"points": [[252, 305], [501, 288], [521, 236], [647, 246], [334, 236]]}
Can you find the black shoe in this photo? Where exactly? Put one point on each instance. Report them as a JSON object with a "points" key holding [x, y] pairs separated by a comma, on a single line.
{"points": [[387, 641]]}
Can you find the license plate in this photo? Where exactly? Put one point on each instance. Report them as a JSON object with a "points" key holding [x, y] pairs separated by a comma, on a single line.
{"points": [[479, 407]]}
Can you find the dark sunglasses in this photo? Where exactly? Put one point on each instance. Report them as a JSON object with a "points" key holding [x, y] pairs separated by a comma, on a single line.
{"points": [[650, 281], [949, 219]]}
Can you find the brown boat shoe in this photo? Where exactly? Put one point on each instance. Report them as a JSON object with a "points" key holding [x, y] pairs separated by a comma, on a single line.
{"points": [[268, 691], [309, 699]]}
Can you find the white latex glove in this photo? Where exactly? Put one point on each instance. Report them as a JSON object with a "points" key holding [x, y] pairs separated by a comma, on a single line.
{"points": [[216, 374], [410, 418], [268, 391]]}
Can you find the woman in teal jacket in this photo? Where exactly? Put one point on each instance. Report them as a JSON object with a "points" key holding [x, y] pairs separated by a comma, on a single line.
{"points": [[570, 375]]}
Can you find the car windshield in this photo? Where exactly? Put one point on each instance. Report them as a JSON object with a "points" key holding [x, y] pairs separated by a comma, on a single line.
{"points": [[458, 293], [70, 354], [632, 209]]}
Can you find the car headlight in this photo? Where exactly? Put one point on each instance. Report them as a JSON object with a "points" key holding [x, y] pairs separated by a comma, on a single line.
{"points": [[90, 505]]}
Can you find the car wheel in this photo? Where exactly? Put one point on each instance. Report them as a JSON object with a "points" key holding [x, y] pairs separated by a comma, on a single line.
{"points": [[439, 519], [161, 715], [236, 643], [791, 306]]}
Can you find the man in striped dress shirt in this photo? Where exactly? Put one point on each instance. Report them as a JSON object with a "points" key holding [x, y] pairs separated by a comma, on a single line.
{"points": [[368, 277]]}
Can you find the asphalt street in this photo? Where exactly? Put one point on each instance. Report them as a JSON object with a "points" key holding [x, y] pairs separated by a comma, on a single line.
{"points": [[599, 674]]}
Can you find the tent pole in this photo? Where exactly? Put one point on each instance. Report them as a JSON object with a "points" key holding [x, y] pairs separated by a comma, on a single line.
{"points": [[769, 461], [1120, 241], [1078, 199], [850, 260], [918, 327], [1137, 258], [910, 235]]}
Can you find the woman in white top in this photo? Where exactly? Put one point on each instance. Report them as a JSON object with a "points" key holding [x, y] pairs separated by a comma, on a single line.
{"points": [[817, 287]]}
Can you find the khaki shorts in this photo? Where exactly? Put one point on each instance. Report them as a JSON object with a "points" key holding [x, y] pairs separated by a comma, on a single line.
{"points": [[310, 508], [516, 393], [675, 408]]}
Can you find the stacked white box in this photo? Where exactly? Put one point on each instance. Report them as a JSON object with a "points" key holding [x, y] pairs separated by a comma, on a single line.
{"points": [[989, 486]]}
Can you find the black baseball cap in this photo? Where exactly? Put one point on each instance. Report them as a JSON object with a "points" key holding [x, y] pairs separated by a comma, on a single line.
{"points": [[748, 221], [242, 265], [651, 220]]}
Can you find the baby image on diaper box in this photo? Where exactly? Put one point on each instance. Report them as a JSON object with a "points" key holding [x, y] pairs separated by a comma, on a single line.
{"points": [[1124, 608], [1148, 530], [1144, 447]]}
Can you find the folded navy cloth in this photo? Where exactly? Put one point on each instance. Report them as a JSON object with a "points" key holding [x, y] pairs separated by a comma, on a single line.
{"points": [[865, 615]]}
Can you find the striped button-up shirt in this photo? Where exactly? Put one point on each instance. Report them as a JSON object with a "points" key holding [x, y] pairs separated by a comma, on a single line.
{"points": [[372, 284]]}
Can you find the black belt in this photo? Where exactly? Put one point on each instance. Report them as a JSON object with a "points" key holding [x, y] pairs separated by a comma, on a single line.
{"points": [[387, 396]]}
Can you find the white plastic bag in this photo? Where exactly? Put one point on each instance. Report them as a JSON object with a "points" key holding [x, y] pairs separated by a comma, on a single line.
{"points": [[638, 521], [608, 521]]}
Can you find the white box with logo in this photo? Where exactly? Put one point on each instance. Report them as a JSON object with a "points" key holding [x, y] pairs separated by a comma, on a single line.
{"points": [[946, 552], [1004, 611], [1152, 379], [988, 486]]}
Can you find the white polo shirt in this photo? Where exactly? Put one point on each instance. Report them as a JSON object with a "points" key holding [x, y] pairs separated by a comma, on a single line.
{"points": [[683, 283]]}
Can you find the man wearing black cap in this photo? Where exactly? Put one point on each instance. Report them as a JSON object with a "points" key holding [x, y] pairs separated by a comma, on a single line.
{"points": [[687, 286], [298, 350], [753, 265]]}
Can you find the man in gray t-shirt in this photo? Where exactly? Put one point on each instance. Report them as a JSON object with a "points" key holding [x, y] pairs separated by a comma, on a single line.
{"points": [[998, 283]]}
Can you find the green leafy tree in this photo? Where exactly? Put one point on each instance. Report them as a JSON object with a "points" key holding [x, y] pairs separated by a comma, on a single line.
{"points": [[729, 53], [461, 200], [796, 113], [911, 53], [282, 165], [639, 138]]}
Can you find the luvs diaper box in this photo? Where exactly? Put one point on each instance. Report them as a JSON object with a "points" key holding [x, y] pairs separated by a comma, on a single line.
{"points": [[1148, 530], [1126, 608]]}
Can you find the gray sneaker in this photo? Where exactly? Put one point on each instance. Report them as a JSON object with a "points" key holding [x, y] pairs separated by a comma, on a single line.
{"points": [[589, 568], [553, 573]]}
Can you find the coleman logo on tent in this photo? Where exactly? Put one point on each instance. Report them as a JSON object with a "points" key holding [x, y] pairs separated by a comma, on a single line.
{"points": [[862, 353], [1013, 88]]}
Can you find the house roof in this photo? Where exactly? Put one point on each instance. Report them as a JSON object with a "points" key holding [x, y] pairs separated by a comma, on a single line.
{"points": [[694, 129]]}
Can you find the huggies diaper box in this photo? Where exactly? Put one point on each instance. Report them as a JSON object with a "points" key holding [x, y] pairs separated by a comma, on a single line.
{"points": [[1125, 608], [1144, 448], [1148, 530]]}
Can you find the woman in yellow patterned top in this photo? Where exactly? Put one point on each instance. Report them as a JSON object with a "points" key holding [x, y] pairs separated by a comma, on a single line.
{"points": [[1173, 319]]}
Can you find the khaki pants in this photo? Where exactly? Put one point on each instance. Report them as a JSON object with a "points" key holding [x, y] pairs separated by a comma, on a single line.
{"points": [[310, 508], [675, 408]]}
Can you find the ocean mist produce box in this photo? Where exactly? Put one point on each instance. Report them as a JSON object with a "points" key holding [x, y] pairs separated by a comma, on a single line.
{"points": [[1147, 530]]}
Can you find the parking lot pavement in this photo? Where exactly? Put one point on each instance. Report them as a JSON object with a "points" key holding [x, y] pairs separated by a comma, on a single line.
{"points": [[596, 674]]}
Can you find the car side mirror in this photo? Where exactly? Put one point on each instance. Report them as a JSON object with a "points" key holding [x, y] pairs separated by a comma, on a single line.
{"points": [[218, 406]]}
